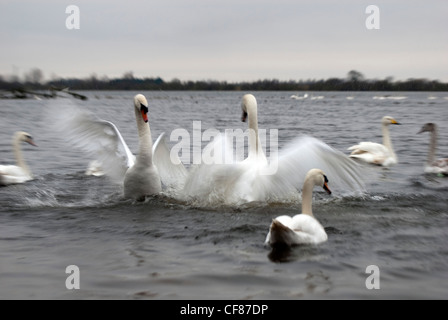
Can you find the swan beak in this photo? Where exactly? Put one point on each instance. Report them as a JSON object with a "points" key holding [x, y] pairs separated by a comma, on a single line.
{"points": [[244, 116], [326, 188], [144, 110], [31, 142], [394, 122]]}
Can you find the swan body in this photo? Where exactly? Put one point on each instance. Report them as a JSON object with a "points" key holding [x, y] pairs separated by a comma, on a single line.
{"points": [[95, 169], [376, 153], [19, 173], [301, 228], [142, 179], [433, 165], [256, 180]]}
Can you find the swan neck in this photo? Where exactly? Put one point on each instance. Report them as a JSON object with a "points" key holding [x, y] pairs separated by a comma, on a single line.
{"points": [[432, 147], [255, 149], [145, 139], [307, 198], [18, 155], [386, 138]]}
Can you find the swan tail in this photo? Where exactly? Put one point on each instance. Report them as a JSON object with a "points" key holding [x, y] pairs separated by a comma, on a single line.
{"points": [[279, 234]]}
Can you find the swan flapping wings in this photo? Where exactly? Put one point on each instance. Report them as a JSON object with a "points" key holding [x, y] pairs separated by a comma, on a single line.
{"points": [[101, 140], [277, 180]]}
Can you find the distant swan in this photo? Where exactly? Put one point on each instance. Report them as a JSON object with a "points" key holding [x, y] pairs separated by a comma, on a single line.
{"points": [[433, 165], [20, 173], [376, 153], [297, 97], [256, 179], [140, 175], [95, 169], [302, 228]]}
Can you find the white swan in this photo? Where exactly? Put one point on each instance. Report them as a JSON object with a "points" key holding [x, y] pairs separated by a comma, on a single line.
{"points": [[433, 165], [297, 97], [95, 169], [302, 228], [142, 179], [376, 153], [140, 175], [256, 179], [20, 173]]}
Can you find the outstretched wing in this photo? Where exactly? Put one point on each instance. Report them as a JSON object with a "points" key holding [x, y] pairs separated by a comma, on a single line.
{"points": [[306, 153], [171, 169], [100, 139]]}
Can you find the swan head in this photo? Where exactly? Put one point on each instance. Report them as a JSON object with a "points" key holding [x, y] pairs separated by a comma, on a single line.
{"points": [[141, 104], [248, 104], [427, 127], [25, 137], [319, 179], [387, 120]]}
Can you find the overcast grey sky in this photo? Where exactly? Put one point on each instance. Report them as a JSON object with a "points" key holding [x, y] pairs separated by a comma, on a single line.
{"points": [[233, 40]]}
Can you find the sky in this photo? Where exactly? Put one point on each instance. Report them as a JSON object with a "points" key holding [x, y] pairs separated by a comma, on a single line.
{"points": [[225, 40]]}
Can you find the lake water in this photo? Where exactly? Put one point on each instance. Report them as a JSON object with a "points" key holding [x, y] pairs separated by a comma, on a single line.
{"points": [[166, 249]]}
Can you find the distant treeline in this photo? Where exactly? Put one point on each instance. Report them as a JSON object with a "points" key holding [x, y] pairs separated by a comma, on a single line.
{"points": [[355, 81]]}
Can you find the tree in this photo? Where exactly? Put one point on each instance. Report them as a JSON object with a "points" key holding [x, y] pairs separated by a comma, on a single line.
{"points": [[128, 75], [34, 76], [354, 75]]}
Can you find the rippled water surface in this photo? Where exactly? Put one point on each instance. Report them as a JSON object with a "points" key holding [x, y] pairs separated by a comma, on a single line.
{"points": [[166, 249]]}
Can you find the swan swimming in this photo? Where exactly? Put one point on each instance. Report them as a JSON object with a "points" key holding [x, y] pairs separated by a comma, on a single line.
{"points": [[142, 174], [19, 173], [297, 97], [433, 165], [376, 153], [251, 180], [301, 228]]}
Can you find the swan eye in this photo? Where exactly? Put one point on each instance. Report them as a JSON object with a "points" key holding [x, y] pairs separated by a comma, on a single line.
{"points": [[244, 117], [144, 108]]}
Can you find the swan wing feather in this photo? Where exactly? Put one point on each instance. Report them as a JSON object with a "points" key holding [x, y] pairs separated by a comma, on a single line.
{"points": [[100, 139], [305, 153], [171, 169]]}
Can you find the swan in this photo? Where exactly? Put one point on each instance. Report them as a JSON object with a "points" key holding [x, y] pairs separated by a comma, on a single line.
{"points": [[20, 173], [142, 174], [433, 165], [297, 97], [95, 169], [255, 179], [301, 228], [376, 153], [142, 179]]}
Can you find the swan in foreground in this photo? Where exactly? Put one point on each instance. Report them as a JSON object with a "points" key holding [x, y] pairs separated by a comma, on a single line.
{"points": [[376, 153], [20, 173], [256, 179], [301, 228], [433, 165], [142, 174], [142, 179]]}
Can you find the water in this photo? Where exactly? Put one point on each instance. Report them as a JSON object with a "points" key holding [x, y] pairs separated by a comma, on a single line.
{"points": [[165, 249]]}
